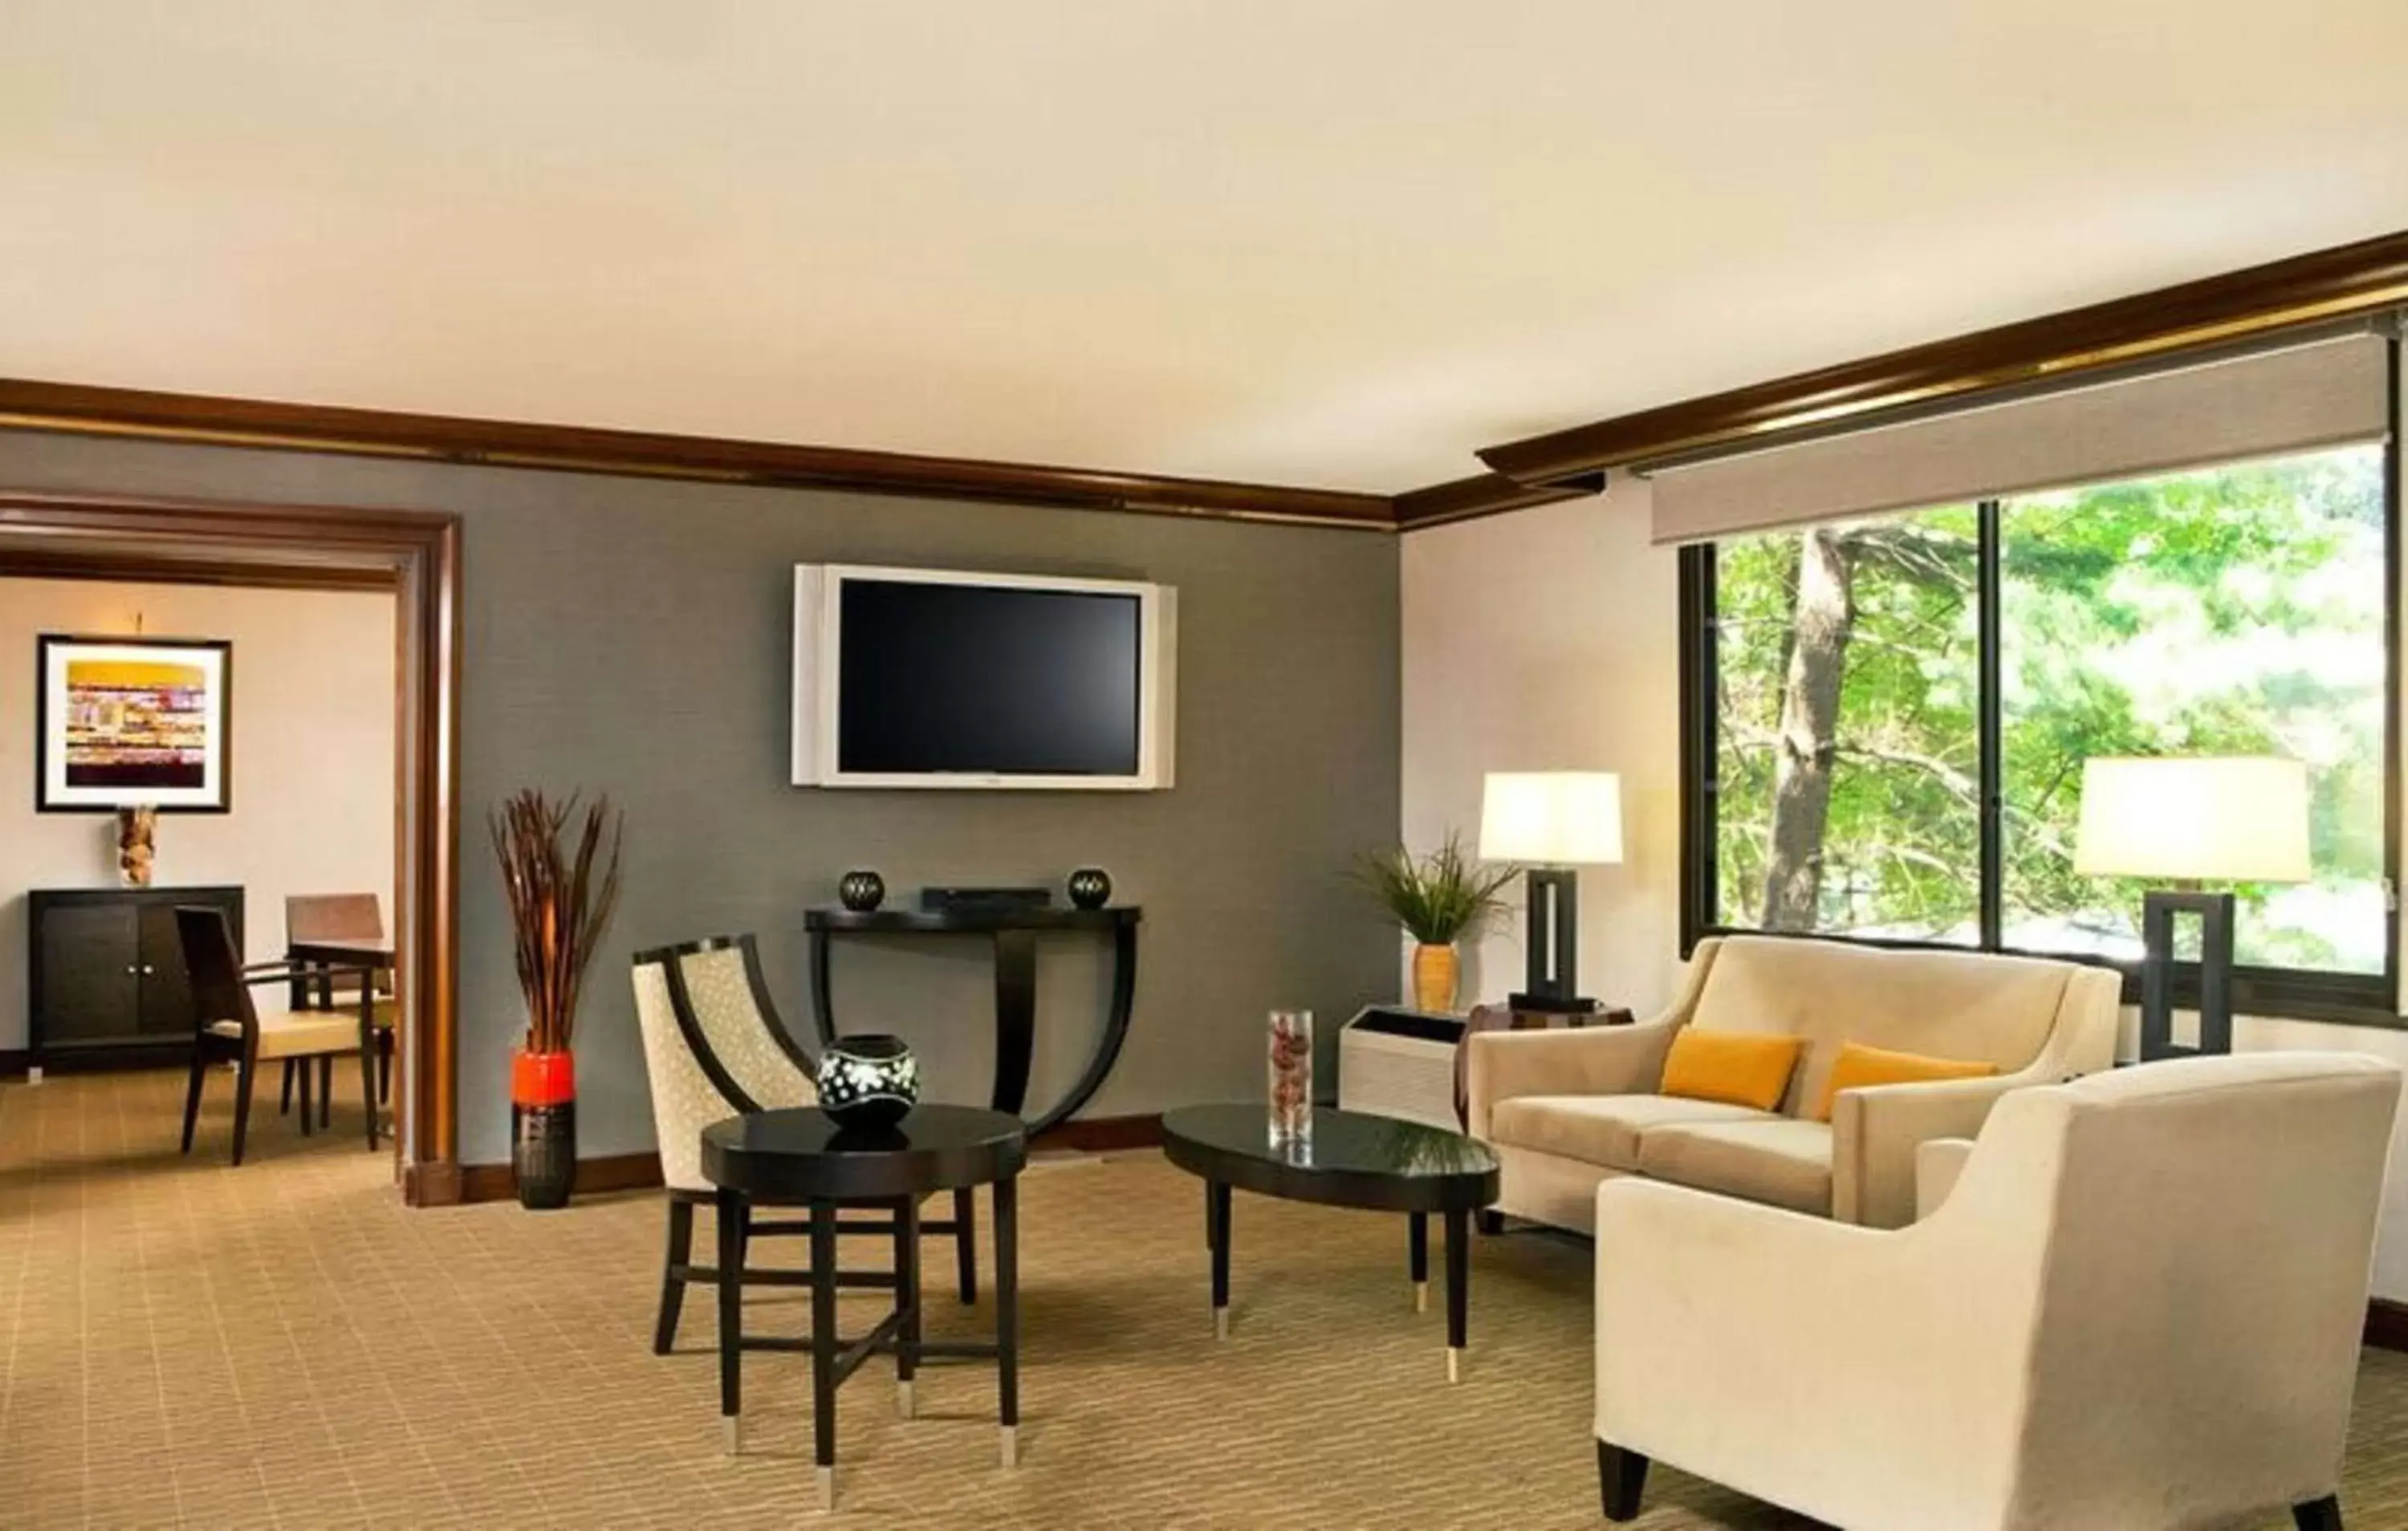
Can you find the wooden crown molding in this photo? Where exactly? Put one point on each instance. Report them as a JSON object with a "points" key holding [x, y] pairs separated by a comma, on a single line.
{"points": [[31, 404], [1486, 494], [2328, 284]]}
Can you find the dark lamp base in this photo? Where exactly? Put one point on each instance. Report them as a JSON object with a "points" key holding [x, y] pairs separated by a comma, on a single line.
{"points": [[1550, 1005]]}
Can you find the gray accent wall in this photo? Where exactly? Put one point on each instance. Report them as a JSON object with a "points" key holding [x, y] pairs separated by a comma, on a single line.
{"points": [[631, 636]]}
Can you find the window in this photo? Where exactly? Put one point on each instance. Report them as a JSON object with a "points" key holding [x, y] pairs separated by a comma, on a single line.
{"points": [[1889, 716]]}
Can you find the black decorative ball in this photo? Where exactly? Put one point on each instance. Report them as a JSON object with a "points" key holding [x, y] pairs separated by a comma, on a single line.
{"points": [[1090, 887], [862, 891], [867, 1082]]}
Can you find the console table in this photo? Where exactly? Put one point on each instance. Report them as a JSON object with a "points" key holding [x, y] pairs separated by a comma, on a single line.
{"points": [[1014, 931]]}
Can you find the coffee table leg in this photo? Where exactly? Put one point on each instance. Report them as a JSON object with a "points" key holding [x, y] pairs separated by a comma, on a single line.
{"points": [[1007, 1313], [823, 1349], [1216, 1231], [731, 1211], [1417, 1257], [906, 1301], [1458, 1288]]}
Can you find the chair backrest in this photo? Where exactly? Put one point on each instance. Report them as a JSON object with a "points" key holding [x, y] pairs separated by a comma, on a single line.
{"points": [[1965, 1004], [212, 969], [685, 1100], [2202, 1234], [723, 1004], [334, 917]]}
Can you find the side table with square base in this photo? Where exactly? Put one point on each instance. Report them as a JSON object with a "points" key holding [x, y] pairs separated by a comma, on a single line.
{"points": [[1375, 1163], [802, 1157]]}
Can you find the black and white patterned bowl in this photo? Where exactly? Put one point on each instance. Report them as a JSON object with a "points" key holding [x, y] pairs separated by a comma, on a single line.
{"points": [[869, 1081]]}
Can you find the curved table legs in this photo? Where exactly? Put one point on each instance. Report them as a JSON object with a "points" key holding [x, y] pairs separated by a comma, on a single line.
{"points": [[1015, 1019]]}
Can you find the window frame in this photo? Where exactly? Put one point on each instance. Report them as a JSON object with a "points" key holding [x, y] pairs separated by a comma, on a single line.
{"points": [[2364, 999]]}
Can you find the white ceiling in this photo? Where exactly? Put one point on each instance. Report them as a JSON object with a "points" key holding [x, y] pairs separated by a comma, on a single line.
{"points": [[1328, 242]]}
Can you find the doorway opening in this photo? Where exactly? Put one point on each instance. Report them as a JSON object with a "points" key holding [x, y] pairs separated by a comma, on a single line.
{"points": [[415, 556]]}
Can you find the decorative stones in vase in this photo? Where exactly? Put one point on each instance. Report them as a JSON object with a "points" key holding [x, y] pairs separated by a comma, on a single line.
{"points": [[867, 1082], [1091, 887], [861, 891], [1291, 1079]]}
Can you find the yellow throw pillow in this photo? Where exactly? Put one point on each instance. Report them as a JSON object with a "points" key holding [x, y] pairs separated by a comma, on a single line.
{"points": [[1859, 1065], [1737, 1067]]}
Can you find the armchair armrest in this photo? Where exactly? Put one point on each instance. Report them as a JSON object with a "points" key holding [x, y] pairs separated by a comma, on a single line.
{"points": [[1875, 1132], [1865, 1375], [1938, 1163], [1586, 1061]]}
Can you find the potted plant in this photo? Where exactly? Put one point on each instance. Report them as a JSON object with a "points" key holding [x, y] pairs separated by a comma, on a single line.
{"points": [[1439, 898], [558, 908]]}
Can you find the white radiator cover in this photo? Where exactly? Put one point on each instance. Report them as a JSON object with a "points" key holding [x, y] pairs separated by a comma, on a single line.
{"points": [[1385, 1073]]}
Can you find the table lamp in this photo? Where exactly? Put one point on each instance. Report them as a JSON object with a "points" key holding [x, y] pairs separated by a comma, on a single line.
{"points": [[1552, 822], [2232, 818]]}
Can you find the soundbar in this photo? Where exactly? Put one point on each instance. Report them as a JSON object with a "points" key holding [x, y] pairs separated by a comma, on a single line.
{"points": [[962, 900]]}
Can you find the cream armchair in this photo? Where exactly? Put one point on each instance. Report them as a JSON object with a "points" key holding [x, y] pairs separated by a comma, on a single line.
{"points": [[2138, 1307], [1567, 1109]]}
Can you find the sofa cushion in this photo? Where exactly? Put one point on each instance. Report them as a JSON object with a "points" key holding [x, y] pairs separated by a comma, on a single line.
{"points": [[1600, 1129], [1776, 1160], [1738, 1067], [1946, 1004], [1859, 1067]]}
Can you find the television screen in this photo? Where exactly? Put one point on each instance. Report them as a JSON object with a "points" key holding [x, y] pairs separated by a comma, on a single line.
{"points": [[987, 680]]}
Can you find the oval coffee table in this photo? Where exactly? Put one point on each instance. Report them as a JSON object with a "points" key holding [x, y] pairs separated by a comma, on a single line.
{"points": [[1375, 1163], [800, 1157]]}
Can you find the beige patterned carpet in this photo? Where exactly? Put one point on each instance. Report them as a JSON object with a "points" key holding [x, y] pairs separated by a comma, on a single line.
{"points": [[284, 1345]]}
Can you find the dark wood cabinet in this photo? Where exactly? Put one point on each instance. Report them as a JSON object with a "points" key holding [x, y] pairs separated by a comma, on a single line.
{"points": [[107, 986]]}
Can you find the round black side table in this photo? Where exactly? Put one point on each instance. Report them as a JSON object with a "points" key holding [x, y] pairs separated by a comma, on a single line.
{"points": [[801, 1157]]}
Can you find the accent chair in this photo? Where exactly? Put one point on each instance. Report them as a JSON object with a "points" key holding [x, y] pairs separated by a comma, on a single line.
{"points": [[2140, 1306], [715, 1047]]}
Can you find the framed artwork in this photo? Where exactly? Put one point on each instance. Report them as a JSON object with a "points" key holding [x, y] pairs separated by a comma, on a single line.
{"points": [[133, 722]]}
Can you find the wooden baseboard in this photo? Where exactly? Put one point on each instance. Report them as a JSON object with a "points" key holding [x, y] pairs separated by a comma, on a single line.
{"points": [[594, 1177], [2387, 1324], [449, 1185], [1102, 1133]]}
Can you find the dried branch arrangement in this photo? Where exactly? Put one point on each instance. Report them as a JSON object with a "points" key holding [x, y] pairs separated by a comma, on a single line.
{"points": [[557, 907]]}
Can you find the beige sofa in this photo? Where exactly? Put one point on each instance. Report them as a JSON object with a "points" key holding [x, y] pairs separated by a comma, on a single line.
{"points": [[1567, 1109], [2138, 1308]]}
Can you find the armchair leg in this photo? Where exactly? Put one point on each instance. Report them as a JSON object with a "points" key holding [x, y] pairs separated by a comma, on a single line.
{"points": [[284, 1097], [192, 1094], [325, 1090], [2319, 1514], [681, 1252], [1620, 1477], [1490, 1222], [242, 1103]]}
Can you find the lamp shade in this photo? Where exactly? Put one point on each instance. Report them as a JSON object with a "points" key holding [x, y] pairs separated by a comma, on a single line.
{"points": [[1553, 818], [2229, 818]]}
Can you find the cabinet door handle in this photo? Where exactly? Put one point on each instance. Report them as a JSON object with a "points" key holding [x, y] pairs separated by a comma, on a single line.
{"points": [[148, 970], [129, 970]]}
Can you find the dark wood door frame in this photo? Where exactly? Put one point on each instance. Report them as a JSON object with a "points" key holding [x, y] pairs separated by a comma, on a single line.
{"points": [[416, 554]]}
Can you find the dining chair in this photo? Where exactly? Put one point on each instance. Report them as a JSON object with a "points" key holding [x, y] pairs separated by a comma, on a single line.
{"points": [[231, 1027], [714, 1045], [342, 916]]}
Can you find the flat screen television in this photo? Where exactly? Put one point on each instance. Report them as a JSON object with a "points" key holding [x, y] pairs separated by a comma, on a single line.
{"points": [[937, 678]]}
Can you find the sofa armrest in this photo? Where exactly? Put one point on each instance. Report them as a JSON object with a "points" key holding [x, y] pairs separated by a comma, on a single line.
{"points": [[1875, 1132], [1799, 1357], [1587, 1060], [1938, 1161]]}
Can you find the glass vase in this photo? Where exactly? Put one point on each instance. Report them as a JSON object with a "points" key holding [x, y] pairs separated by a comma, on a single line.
{"points": [[1291, 1079]]}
